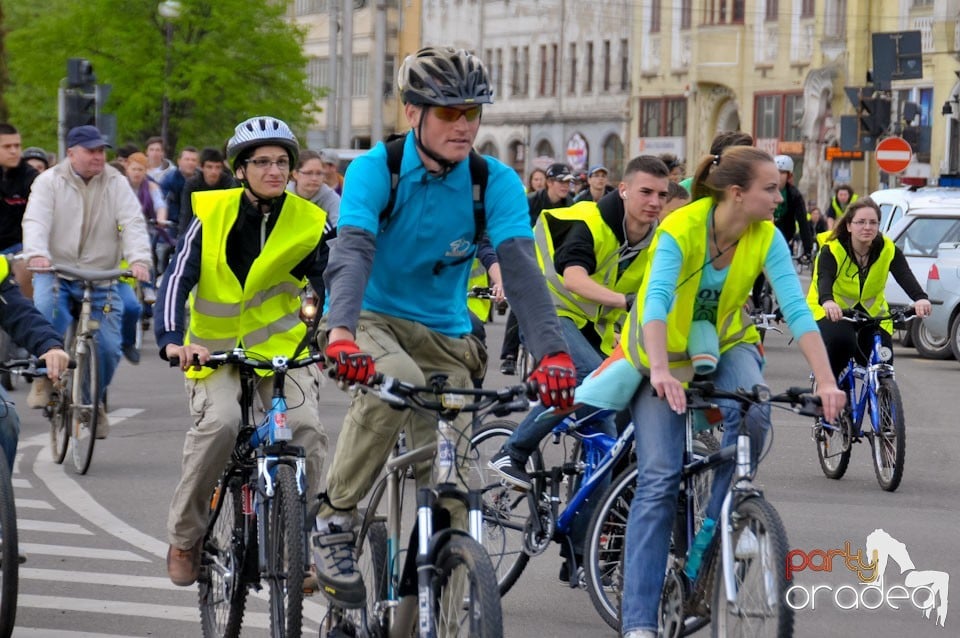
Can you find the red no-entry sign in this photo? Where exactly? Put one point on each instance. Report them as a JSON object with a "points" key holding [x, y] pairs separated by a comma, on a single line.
{"points": [[894, 154]]}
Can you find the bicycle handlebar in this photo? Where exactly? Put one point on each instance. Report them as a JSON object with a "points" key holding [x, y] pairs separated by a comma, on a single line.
{"points": [[801, 400], [400, 394], [240, 357], [29, 368], [855, 315], [87, 274]]}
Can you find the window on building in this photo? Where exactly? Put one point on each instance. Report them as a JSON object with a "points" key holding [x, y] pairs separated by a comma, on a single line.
{"points": [[514, 71], [686, 14], [543, 70], [308, 7], [655, 16], [663, 117], [835, 19], [516, 156], [721, 12], [606, 66], [489, 148], [625, 65], [525, 70], [554, 68], [361, 75], [589, 86], [767, 116], [545, 149], [318, 73], [807, 8], [676, 111], [572, 70], [651, 121], [772, 9], [793, 114], [613, 155], [922, 3], [737, 12], [389, 75], [498, 72]]}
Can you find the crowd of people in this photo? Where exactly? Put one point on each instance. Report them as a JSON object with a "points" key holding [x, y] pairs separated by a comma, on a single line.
{"points": [[619, 271]]}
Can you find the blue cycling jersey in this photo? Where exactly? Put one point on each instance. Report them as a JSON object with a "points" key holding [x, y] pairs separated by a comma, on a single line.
{"points": [[424, 252]]}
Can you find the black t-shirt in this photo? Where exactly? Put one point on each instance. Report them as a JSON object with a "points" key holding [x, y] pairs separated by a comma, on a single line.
{"points": [[15, 186], [539, 202]]}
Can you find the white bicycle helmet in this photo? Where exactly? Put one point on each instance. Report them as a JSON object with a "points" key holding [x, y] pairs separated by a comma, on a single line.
{"points": [[784, 163], [258, 131]]}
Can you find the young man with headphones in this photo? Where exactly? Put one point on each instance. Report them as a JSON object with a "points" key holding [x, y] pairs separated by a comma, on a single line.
{"points": [[245, 255]]}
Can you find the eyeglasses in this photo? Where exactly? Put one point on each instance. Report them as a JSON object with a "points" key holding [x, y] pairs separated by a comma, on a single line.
{"points": [[311, 173], [865, 222], [263, 163], [452, 113]]}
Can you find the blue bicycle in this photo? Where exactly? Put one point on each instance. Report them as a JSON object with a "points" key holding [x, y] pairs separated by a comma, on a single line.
{"points": [[871, 389], [520, 525], [258, 527]]}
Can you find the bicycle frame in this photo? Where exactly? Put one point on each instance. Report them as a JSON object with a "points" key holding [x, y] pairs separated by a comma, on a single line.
{"points": [[867, 378]]}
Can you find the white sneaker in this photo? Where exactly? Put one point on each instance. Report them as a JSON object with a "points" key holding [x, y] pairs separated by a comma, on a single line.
{"points": [[40, 391], [640, 633]]}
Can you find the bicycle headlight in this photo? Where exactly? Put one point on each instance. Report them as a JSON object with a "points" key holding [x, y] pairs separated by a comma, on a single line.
{"points": [[885, 353]]}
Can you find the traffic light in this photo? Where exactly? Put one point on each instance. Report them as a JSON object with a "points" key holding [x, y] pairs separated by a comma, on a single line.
{"points": [[81, 109], [874, 114], [80, 74]]}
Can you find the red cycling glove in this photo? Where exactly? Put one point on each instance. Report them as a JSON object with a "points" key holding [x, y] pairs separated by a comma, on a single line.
{"points": [[555, 378], [349, 363]]}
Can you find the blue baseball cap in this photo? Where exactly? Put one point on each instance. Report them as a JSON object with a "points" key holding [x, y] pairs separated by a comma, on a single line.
{"points": [[87, 136], [597, 169]]}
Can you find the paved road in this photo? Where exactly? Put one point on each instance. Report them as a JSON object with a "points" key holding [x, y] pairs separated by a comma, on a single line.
{"points": [[96, 543]]}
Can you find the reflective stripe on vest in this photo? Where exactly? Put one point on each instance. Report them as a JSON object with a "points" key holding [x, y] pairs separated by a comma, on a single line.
{"points": [[610, 320], [263, 314], [478, 278], [846, 286], [689, 230]]}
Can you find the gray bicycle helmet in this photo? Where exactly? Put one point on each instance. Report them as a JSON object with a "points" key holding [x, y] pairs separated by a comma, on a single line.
{"points": [[444, 76], [37, 153], [258, 131]]}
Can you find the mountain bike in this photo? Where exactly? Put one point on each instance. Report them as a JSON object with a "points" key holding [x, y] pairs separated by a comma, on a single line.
{"points": [[76, 401], [444, 584], [519, 525], [871, 389], [741, 584], [257, 528]]}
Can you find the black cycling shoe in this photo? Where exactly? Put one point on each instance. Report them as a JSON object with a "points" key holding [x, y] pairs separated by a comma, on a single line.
{"points": [[508, 366], [510, 471]]}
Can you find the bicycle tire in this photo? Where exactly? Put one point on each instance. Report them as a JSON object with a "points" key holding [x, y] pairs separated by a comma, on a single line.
{"points": [[285, 555], [833, 446], [10, 565], [505, 510], [889, 445], [525, 362], [85, 406], [222, 594], [372, 564], [760, 571], [465, 592], [606, 534]]}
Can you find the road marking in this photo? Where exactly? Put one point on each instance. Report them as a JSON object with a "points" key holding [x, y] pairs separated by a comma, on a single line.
{"points": [[21, 483], [32, 504], [93, 578], [28, 632], [52, 526], [81, 552], [122, 414], [120, 608]]}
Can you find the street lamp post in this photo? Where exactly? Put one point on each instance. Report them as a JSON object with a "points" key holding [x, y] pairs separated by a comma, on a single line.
{"points": [[169, 10]]}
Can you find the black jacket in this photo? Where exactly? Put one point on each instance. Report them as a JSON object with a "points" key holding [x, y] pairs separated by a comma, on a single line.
{"points": [[539, 202], [15, 186], [23, 322], [795, 216]]}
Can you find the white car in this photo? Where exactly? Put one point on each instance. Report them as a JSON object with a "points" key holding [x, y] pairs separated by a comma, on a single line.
{"points": [[922, 221], [943, 286]]}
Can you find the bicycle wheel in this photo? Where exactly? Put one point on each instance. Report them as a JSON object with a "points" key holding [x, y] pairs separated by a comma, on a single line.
{"points": [[606, 535], [833, 445], [223, 595], [889, 445], [372, 564], [59, 413], [466, 600], [759, 546], [285, 555], [9, 567], [85, 405], [505, 510]]}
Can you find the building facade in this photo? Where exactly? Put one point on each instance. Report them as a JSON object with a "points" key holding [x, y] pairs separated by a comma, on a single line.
{"points": [[777, 69]]}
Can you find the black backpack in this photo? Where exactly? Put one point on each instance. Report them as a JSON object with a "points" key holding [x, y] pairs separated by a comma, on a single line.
{"points": [[479, 171]]}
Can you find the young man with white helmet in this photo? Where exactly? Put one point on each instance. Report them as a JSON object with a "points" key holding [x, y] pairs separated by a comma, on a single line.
{"points": [[248, 251], [396, 282]]}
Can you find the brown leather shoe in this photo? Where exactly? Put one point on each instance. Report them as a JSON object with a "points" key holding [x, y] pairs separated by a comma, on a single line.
{"points": [[183, 565]]}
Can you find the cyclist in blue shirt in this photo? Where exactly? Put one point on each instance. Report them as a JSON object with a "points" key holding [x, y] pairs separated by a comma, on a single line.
{"points": [[395, 288]]}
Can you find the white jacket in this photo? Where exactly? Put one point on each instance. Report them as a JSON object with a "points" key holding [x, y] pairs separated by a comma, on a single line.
{"points": [[84, 225]]}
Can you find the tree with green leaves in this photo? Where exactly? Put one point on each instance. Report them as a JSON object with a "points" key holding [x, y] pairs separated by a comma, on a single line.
{"points": [[227, 61]]}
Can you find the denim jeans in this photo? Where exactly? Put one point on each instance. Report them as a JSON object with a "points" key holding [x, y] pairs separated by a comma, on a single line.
{"points": [[529, 433], [53, 296], [660, 443], [129, 314], [9, 428]]}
